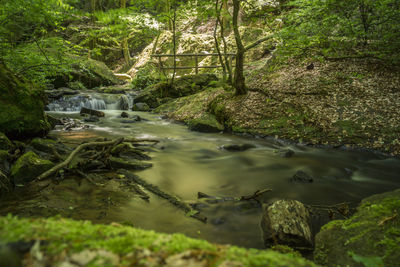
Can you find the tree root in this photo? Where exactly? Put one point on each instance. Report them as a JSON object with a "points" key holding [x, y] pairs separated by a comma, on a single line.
{"points": [[66, 162], [157, 191]]}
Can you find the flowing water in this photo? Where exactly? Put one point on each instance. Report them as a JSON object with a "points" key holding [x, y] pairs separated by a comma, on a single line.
{"points": [[187, 162]]}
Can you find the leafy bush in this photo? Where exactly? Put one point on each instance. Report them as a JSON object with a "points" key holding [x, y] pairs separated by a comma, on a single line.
{"points": [[336, 28], [145, 76]]}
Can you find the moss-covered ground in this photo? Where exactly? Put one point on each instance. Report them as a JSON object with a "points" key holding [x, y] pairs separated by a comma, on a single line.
{"points": [[63, 239], [352, 103]]}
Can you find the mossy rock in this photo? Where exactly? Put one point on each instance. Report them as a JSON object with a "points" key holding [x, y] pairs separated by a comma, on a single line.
{"points": [[5, 143], [154, 94], [89, 72], [205, 124], [28, 167], [22, 106], [47, 145], [371, 237], [5, 184], [4, 161], [132, 246]]}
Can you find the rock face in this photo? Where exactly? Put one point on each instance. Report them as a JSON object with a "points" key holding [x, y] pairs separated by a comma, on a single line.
{"points": [[91, 73], [123, 102], [371, 236], [286, 222], [21, 106], [28, 167], [184, 86]]}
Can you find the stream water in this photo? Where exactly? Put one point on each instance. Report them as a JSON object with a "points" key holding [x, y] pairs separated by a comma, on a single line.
{"points": [[187, 162]]}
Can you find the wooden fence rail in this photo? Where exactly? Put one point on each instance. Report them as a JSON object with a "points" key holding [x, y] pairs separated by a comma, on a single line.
{"points": [[196, 56]]}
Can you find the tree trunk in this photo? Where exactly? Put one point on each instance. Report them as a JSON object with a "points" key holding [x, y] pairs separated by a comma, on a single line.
{"points": [[174, 48], [221, 61], [239, 80], [123, 3]]}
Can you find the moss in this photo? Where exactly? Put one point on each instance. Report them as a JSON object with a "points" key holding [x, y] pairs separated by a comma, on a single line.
{"points": [[22, 106], [5, 143], [45, 145], [372, 232], [207, 123], [65, 235], [28, 167]]}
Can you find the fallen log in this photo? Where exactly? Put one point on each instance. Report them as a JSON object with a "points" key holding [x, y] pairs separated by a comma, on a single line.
{"points": [[66, 162], [157, 191]]}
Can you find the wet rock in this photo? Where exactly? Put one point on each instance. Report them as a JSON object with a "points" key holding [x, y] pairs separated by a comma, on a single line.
{"points": [[53, 121], [302, 177], [370, 235], [135, 118], [117, 163], [28, 167], [5, 143], [123, 102], [286, 222], [218, 221], [91, 112], [91, 119], [285, 153], [205, 125], [236, 148], [60, 92], [124, 115], [140, 107]]}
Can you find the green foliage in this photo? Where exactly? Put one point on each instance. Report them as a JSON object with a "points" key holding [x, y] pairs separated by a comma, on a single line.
{"points": [[335, 28], [145, 76], [41, 59]]}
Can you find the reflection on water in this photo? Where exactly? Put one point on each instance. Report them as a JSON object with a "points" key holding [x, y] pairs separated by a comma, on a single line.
{"points": [[186, 162]]}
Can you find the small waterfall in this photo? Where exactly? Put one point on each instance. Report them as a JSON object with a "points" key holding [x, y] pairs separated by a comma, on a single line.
{"points": [[92, 101]]}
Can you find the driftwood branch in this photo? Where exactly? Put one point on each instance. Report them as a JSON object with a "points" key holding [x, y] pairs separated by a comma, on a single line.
{"points": [[66, 162], [157, 191]]}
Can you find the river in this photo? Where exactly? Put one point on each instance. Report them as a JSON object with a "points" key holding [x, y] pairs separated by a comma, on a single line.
{"points": [[187, 162]]}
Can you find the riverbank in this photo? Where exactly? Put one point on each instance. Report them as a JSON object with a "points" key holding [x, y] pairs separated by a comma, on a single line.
{"points": [[353, 104]]}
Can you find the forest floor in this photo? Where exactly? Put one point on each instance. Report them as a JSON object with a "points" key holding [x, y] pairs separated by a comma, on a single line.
{"points": [[354, 104]]}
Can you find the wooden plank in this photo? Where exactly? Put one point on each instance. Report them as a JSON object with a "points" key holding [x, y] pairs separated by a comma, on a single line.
{"points": [[197, 65], [190, 55], [191, 67]]}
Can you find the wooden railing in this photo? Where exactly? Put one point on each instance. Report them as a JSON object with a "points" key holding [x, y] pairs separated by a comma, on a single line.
{"points": [[196, 60]]}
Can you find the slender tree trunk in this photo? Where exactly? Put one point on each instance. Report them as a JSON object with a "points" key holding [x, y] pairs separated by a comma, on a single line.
{"points": [[239, 80], [221, 61], [174, 43], [123, 3], [227, 58], [125, 46]]}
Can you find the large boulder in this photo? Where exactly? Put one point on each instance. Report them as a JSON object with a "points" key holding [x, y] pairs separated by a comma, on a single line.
{"points": [[286, 222], [21, 106], [184, 86], [28, 167], [205, 124], [91, 73], [371, 237]]}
